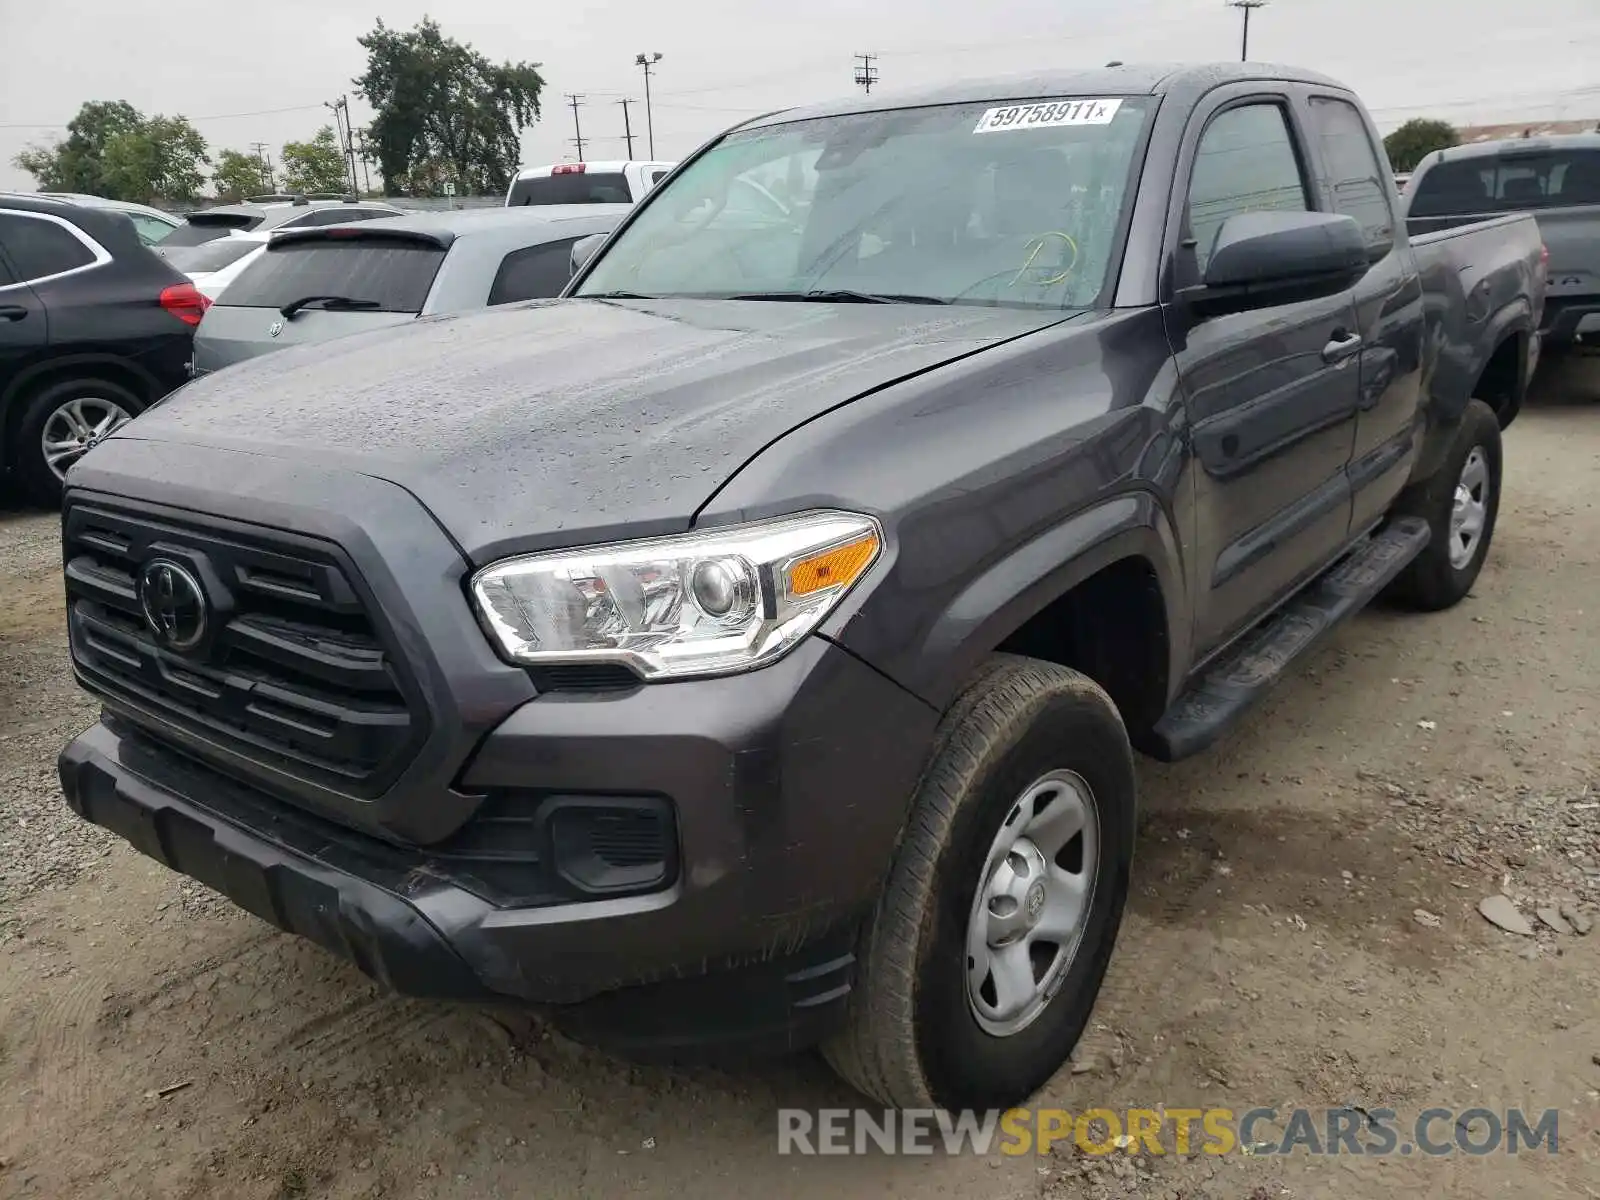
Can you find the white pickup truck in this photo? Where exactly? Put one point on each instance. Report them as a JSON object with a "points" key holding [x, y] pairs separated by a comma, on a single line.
{"points": [[586, 183]]}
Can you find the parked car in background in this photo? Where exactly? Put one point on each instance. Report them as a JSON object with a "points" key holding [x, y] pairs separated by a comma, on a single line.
{"points": [[94, 327], [153, 225], [586, 183], [1557, 179], [1401, 179], [213, 265], [260, 213], [749, 648], [314, 285]]}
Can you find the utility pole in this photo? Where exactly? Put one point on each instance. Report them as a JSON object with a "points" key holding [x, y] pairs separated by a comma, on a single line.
{"points": [[647, 61], [347, 152], [573, 100], [627, 125], [1246, 7], [361, 149], [866, 73], [266, 164]]}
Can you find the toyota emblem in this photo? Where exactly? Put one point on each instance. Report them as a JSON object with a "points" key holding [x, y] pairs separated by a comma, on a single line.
{"points": [[275, 329], [174, 604]]}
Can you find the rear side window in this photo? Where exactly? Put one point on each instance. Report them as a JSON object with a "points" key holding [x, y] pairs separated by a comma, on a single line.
{"points": [[202, 228], [602, 187], [38, 249], [533, 273], [394, 275], [657, 176], [1245, 162], [151, 230], [1510, 183], [1355, 175]]}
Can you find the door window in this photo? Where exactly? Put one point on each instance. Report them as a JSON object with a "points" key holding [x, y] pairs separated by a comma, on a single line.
{"points": [[1355, 175], [1246, 162], [40, 248]]}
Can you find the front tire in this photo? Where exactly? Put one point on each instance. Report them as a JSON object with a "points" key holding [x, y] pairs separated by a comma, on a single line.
{"points": [[60, 424], [981, 964], [1460, 503]]}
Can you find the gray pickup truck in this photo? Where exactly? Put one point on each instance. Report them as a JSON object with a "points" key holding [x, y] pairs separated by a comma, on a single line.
{"points": [[1557, 179], [749, 647]]}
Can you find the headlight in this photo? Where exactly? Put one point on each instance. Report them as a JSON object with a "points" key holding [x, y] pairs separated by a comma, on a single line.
{"points": [[707, 603]]}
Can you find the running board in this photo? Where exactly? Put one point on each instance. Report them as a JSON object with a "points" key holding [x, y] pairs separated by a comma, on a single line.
{"points": [[1248, 669]]}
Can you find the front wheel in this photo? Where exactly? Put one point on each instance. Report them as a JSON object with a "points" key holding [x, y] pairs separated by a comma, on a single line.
{"points": [[982, 962], [1460, 503], [60, 424]]}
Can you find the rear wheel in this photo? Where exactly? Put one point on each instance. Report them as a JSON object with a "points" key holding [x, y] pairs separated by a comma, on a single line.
{"points": [[60, 424], [987, 950], [1460, 503]]}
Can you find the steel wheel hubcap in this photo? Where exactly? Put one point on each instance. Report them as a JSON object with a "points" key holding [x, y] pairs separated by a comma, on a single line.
{"points": [[77, 427], [1032, 901], [1470, 512]]}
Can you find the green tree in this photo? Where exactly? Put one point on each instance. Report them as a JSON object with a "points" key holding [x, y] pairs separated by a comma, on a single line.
{"points": [[315, 166], [164, 158], [1416, 139], [442, 103], [238, 175], [113, 150], [74, 164]]}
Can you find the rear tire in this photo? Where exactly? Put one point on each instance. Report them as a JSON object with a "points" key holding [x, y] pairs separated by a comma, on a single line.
{"points": [[1460, 503], [920, 1030], [84, 411]]}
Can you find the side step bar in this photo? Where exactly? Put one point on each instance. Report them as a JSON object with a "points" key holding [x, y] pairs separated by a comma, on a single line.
{"points": [[1248, 669]]}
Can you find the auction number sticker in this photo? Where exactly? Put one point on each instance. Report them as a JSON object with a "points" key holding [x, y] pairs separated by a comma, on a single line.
{"points": [[1047, 114]]}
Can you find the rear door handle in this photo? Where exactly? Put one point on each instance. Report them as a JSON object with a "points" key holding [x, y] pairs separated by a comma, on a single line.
{"points": [[1341, 347], [12, 312]]}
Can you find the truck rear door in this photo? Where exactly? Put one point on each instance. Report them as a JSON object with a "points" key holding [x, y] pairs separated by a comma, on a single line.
{"points": [[1388, 304], [1271, 393]]}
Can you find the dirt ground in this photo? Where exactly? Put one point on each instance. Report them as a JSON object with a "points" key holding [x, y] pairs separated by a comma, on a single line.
{"points": [[1274, 953]]}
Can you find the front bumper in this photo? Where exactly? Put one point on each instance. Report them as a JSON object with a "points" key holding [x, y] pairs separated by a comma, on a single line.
{"points": [[788, 788]]}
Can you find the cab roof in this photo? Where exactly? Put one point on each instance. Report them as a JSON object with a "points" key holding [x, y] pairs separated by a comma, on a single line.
{"points": [[1187, 81]]}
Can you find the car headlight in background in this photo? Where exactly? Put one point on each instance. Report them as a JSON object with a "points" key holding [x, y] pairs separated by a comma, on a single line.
{"points": [[706, 603]]}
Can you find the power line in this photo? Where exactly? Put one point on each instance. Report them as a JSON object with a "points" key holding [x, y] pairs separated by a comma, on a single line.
{"points": [[1246, 7], [574, 99], [260, 112], [866, 73]]}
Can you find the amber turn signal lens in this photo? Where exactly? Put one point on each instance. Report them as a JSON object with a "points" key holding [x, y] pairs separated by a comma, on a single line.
{"points": [[832, 568]]}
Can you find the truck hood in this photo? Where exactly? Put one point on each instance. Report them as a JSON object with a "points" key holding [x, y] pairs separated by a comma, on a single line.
{"points": [[566, 422]]}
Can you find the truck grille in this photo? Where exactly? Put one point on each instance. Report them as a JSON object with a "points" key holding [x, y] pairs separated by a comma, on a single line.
{"points": [[290, 668]]}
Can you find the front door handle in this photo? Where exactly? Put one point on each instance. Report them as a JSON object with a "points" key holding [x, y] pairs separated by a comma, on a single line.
{"points": [[12, 312], [1340, 347]]}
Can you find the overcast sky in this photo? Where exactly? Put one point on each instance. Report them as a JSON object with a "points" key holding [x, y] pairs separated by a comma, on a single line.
{"points": [[1465, 60]]}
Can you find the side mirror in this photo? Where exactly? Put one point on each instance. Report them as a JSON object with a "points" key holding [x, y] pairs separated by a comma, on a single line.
{"points": [[583, 250], [1265, 258]]}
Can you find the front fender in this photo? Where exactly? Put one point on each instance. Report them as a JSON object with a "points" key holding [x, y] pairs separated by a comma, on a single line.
{"points": [[1023, 581]]}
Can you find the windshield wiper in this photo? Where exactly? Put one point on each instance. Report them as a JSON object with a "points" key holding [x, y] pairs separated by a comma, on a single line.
{"points": [[842, 296], [331, 303], [614, 296]]}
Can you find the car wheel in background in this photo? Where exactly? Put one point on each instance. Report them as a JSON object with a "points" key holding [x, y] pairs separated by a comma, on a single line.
{"points": [[60, 424]]}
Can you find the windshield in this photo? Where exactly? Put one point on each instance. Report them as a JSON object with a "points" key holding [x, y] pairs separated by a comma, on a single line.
{"points": [[210, 256], [1510, 183], [1015, 204], [200, 228]]}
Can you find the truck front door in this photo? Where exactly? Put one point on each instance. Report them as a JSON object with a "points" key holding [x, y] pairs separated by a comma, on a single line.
{"points": [[1271, 393]]}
